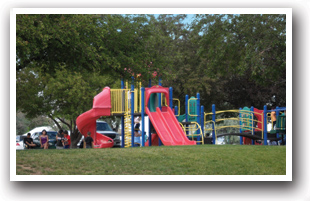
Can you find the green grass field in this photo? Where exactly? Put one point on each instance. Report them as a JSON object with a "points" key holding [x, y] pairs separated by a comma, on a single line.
{"points": [[172, 160]]}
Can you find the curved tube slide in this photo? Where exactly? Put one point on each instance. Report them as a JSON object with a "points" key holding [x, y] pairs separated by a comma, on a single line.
{"points": [[87, 121]]}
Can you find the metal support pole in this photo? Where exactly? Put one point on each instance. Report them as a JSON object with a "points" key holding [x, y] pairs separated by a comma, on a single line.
{"points": [[265, 124], [252, 120], [159, 94], [198, 116], [122, 118], [159, 105], [132, 112], [277, 118], [202, 122], [240, 122], [171, 97], [150, 134], [142, 115], [175, 110], [186, 113], [213, 125]]}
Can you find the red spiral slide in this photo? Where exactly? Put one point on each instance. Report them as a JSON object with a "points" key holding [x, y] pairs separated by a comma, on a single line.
{"points": [[87, 121]]}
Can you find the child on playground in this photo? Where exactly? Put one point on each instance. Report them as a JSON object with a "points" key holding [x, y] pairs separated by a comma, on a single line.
{"points": [[137, 122], [67, 140], [273, 118], [88, 141], [137, 139]]}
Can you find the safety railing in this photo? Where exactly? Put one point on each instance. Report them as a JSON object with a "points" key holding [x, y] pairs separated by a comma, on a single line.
{"points": [[121, 101], [163, 100], [206, 128], [137, 98], [193, 130], [244, 121]]}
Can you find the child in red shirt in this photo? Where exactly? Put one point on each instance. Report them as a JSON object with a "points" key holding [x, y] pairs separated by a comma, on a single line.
{"points": [[67, 140]]}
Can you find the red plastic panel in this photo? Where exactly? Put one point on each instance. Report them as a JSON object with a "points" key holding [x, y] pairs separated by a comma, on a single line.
{"points": [[156, 89], [87, 121], [258, 113]]}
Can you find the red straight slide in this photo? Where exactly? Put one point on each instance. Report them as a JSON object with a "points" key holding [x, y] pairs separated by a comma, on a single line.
{"points": [[168, 127], [87, 121]]}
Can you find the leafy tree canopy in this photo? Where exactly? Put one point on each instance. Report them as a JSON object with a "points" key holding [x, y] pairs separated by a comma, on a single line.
{"points": [[62, 61]]}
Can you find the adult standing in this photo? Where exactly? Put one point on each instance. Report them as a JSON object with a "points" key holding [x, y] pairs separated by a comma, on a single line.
{"points": [[60, 139], [44, 139]]}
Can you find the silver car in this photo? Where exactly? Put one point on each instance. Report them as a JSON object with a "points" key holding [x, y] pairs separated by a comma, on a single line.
{"points": [[20, 142]]}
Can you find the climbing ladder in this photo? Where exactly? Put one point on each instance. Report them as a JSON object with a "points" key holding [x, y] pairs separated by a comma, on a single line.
{"points": [[127, 129], [121, 104]]}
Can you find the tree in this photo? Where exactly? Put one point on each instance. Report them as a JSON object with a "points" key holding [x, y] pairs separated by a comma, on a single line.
{"points": [[61, 97], [21, 123], [62, 61], [24, 124], [57, 70], [246, 56]]}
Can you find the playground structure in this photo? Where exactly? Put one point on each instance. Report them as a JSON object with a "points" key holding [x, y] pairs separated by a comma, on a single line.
{"points": [[125, 103], [251, 123], [191, 128]]}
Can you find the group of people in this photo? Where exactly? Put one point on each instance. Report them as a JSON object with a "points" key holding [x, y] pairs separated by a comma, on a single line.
{"points": [[63, 140]]}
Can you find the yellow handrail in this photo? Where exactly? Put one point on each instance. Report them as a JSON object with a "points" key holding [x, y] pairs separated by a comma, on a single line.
{"points": [[136, 100], [140, 108], [182, 127], [247, 123], [192, 128], [163, 100]]}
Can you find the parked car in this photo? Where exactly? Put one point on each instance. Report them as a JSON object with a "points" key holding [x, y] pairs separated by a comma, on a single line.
{"points": [[104, 128], [20, 142]]}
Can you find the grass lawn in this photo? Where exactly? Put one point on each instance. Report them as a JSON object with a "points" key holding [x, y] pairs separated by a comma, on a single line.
{"points": [[172, 160]]}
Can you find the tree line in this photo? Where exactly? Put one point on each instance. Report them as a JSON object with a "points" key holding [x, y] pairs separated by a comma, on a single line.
{"points": [[63, 61]]}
